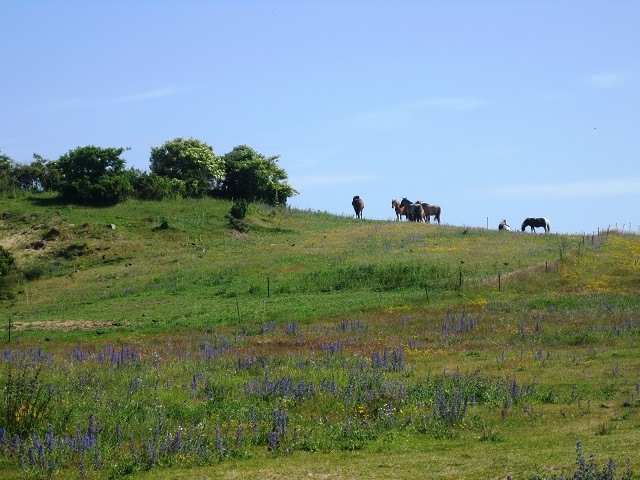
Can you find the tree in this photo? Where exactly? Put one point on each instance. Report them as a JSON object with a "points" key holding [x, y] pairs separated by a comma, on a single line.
{"points": [[189, 160], [6, 178], [37, 176], [254, 177], [93, 176]]}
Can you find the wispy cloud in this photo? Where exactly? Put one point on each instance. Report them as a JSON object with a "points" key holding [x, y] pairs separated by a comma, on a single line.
{"points": [[324, 180], [601, 188], [398, 116], [73, 103], [607, 79]]}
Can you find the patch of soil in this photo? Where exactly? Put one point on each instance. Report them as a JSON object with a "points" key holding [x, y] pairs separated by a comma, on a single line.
{"points": [[63, 325]]}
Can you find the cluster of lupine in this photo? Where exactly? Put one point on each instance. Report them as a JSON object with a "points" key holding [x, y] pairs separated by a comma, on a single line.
{"points": [[588, 470], [115, 356], [391, 360], [41, 453], [457, 325]]}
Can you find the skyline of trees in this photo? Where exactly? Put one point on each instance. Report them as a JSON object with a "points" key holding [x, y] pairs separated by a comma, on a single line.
{"points": [[97, 176]]}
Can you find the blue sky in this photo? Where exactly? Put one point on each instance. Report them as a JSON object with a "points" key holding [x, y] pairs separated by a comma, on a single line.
{"points": [[491, 109]]}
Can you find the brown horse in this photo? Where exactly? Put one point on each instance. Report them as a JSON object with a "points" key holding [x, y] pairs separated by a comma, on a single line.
{"points": [[395, 204], [358, 206], [429, 210]]}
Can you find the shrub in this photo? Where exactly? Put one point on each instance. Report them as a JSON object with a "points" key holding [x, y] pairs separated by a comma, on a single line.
{"points": [[149, 186], [239, 209], [26, 400], [7, 263], [7, 270]]}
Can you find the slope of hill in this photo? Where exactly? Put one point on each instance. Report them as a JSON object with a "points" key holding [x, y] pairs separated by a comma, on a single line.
{"points": [[178, 264]]}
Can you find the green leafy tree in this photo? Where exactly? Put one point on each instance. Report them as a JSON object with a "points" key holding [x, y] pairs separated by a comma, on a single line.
{"points": [[93, 176], [189, 160], [6, 178], [254, 177], [37, 176]]}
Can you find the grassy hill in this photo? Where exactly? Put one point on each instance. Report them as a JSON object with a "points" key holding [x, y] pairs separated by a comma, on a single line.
{"points": [[313, 343]]}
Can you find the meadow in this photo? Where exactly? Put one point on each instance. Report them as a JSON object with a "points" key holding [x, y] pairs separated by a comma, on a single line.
{"points": [[150, 340]]}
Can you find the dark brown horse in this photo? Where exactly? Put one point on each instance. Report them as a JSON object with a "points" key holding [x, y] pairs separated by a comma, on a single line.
{"points": [[358, 206], [413, 211], [429, 210]]}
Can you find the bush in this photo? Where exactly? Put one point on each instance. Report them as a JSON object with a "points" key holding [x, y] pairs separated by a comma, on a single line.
{"points": [[7, 263], [7, 271], [239, 209], [150, 186]]}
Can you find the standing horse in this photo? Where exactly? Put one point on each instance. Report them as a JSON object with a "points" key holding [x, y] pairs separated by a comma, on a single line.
{"points": [[503, 226], [413, 211], [536, 222], [358, 206], [429, 210], [400, 211]]}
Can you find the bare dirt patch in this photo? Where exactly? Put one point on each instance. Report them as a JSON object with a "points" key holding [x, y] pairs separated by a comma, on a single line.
{"points": [[15, 240], [63, 325]]}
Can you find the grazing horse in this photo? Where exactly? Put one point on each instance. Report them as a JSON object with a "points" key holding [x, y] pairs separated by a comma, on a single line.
{"points": [[358, 206], [400, 211], [428, 210], [413, 211], [503, 226], [536, 222]]}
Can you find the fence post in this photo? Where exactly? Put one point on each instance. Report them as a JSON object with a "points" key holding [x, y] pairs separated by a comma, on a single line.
{"points": [[499, 282]]}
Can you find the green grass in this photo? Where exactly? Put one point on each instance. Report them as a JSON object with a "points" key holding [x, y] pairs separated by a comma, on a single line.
{"points": [[364, 328]]}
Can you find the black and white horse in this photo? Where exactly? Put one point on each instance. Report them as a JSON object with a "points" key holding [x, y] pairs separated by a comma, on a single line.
{"points": [[503, 226], [535, 223]]}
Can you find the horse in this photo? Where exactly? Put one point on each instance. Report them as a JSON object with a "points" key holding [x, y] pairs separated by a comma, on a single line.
{"points": [[428, 210], [358, 206], [400, 211], [413, 211], [503, 226], [536, 222]]}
